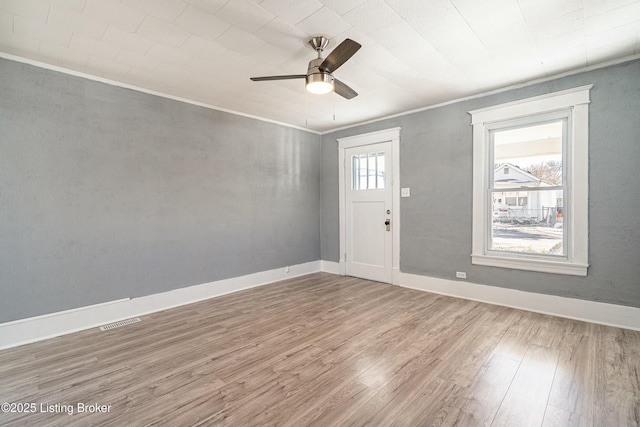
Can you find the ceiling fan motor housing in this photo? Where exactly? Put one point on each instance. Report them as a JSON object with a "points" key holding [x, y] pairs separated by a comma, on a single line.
{"points": [[318, 78]]}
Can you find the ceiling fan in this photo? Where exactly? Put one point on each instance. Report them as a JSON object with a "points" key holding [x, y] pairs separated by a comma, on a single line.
{"points": [[319, 75]]}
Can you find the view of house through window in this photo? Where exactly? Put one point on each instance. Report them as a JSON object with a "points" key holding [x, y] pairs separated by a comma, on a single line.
{"points": [[527, 189]]}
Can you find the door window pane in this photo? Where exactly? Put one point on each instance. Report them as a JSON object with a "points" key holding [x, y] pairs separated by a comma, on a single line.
{"points": [[380, 176], [368, 171]]}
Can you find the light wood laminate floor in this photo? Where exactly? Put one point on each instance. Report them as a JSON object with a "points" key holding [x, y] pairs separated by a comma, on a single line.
{"points": [[327, 350]]}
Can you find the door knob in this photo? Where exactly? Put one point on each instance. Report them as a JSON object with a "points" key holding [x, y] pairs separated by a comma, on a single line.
{"points": [[388, 224]]}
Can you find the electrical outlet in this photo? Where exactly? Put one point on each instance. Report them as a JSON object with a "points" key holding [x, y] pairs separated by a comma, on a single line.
{"points": [[461, 275]]}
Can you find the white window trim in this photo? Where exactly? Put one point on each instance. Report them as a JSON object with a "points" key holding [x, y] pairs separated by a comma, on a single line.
{"points": [[577, 159]]}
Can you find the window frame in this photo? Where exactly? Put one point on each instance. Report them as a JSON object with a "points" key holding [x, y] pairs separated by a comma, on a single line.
{"points": [[575, 104]]}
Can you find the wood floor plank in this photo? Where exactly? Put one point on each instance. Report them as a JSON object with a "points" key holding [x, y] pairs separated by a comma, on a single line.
{"points": [[527, 397], [322, 350], [519, 335], [574, 385], [557, 417], [482, 399], [619, 378], [410, 378]]}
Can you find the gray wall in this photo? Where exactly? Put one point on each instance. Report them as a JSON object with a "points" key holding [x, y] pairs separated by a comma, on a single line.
{"points": [[108, 193], [436, 162]]}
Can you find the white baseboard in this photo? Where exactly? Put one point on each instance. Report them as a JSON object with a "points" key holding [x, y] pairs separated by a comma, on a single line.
{"points": [[330, 267], [571, 308], [24, 331], [395, 276]]}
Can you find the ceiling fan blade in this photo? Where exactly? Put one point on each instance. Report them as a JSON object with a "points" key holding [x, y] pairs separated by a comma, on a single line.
{"points": [[340, 55], [288, 77], [343, 90]]}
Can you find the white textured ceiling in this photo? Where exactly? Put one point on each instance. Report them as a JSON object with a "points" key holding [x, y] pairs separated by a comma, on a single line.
{"points": [[415, 53]]}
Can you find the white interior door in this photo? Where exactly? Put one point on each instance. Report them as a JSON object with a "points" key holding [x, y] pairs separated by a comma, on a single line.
{"points": [[368, 196]]}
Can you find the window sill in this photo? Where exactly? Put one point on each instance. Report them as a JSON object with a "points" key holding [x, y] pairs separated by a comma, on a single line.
{"points": [[545, 266]]}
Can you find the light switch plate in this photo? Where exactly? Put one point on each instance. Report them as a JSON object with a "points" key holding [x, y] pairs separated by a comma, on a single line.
{"points": [[405, 192]]}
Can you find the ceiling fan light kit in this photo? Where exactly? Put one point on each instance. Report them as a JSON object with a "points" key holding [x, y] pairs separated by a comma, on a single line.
{"points": [[320, 83], [319, 77]]}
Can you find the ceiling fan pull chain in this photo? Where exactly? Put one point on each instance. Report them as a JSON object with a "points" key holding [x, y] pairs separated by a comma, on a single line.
{"points": [[334, 106], [306, 109]]}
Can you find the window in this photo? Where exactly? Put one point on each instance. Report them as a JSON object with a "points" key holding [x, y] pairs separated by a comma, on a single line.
{"points": [[530, 189], [533, 153], [368, 171]]}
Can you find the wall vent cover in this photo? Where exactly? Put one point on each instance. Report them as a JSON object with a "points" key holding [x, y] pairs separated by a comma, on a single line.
{"points": [[120, 324]]}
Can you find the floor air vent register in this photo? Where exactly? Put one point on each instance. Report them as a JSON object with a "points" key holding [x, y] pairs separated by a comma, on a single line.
{"points": [[120, 324]]}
